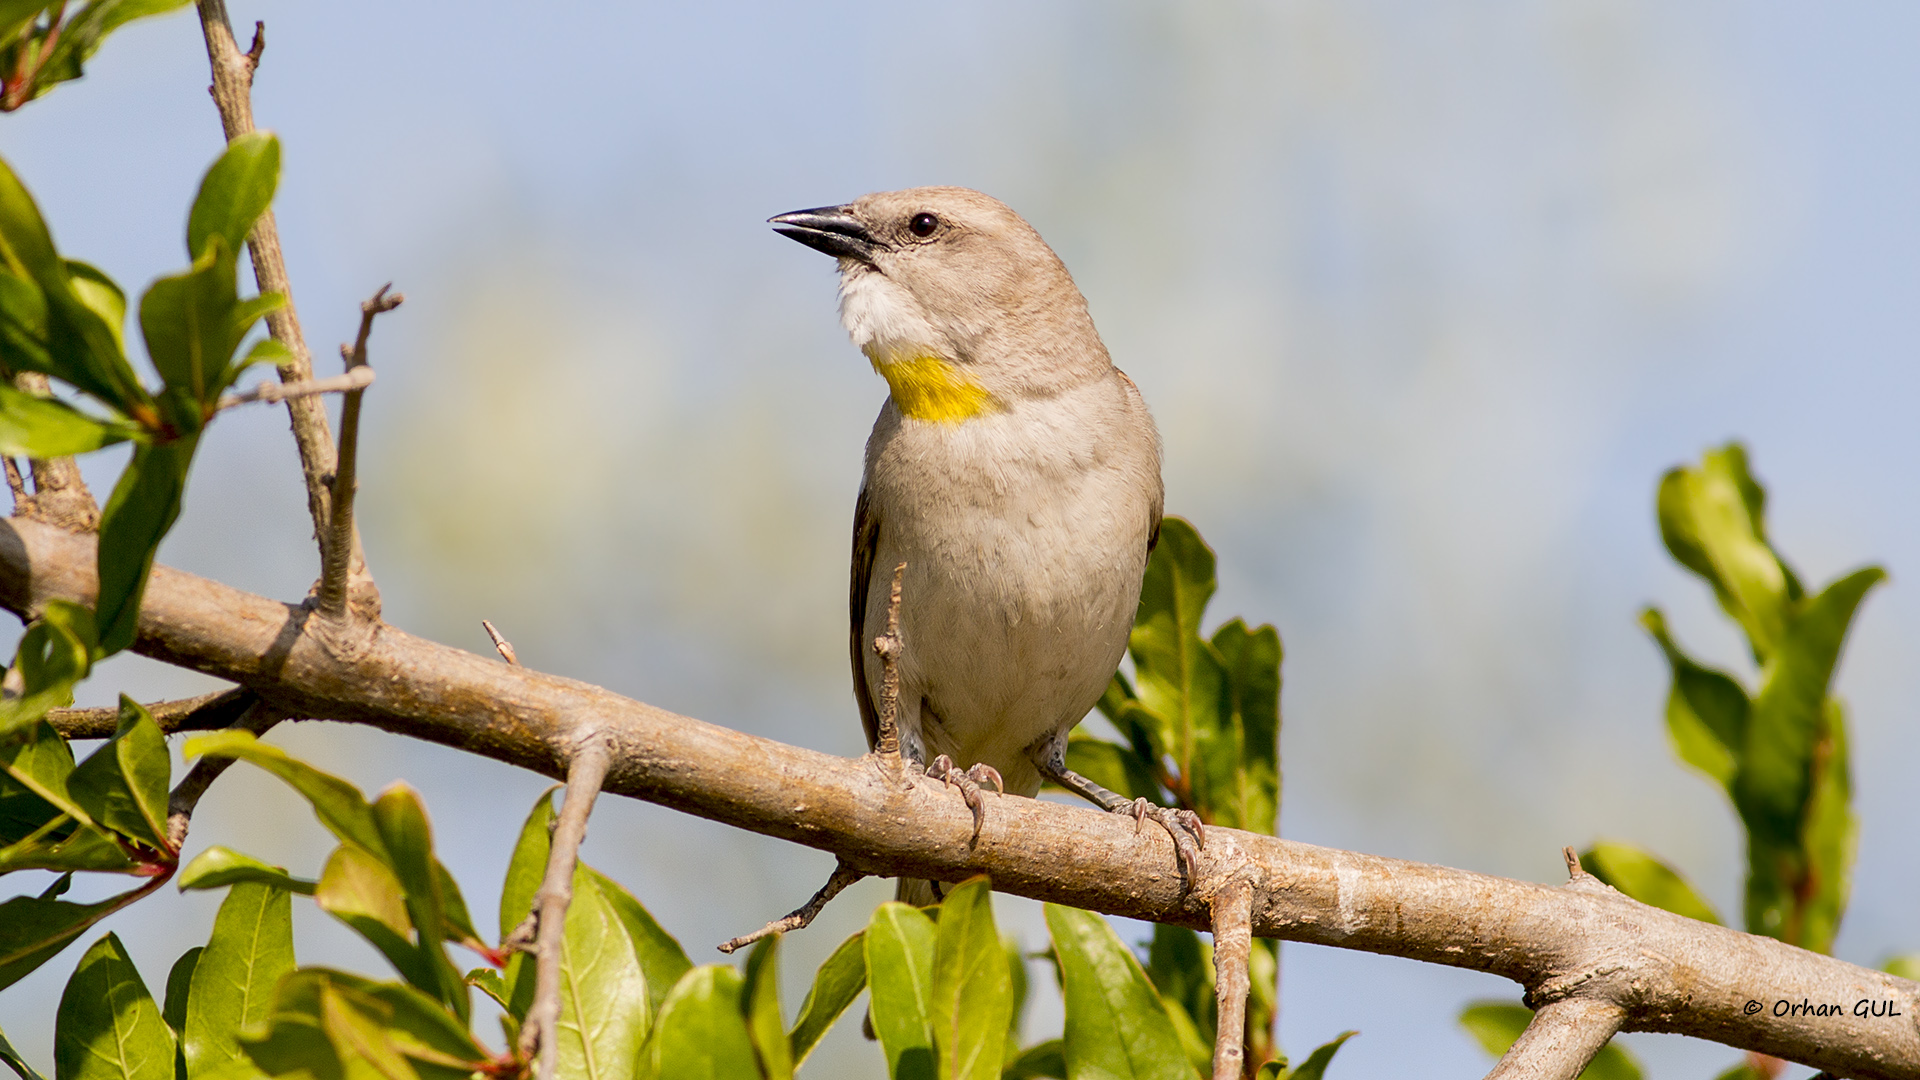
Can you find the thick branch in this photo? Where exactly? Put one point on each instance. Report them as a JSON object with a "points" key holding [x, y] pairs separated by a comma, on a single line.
{"points": [[1581, 940]]}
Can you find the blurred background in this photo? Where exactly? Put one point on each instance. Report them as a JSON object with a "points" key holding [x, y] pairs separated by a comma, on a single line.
{"points": [[1425, 297]]}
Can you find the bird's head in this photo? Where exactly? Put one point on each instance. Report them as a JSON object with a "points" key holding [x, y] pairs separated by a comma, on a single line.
{"points": [[946, 275]]}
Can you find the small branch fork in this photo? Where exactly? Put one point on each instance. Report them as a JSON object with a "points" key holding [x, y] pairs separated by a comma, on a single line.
{"points": [[343, 570], [258, 717], [586, 772]]}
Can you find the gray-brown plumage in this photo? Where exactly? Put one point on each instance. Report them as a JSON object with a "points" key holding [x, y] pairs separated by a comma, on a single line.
{"points": [[1013, 469]]}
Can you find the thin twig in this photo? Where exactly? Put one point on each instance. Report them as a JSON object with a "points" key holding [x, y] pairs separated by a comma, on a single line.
{"points": [[208, 712], [1232, 951], [803, 916], [886, 741], [1574, 870], [275, 392], [500, 644], [341, 552], [232, 92], [1561, 1040], [186, 795], [586, 771]]}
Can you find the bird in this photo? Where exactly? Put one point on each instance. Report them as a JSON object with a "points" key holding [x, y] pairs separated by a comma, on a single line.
{"points": [[1012, 481]]}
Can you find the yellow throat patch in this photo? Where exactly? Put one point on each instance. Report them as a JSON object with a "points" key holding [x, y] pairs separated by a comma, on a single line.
{"points": [[928, 387]]}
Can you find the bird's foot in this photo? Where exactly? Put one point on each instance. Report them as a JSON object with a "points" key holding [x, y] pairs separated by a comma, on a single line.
{"points": [[1189, 834], [968, 781]]}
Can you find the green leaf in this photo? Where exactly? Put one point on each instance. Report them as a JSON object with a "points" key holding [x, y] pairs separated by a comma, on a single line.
{"points": [[108, 1027], [661, 958], [603, 993], [1646, 879], [1712, 519], [1114, 767], [63, 844], [1497, 1025], [1116, 1025], [100, 294], [144, 505], [44, 325], [1707, 710], [1249, 796], [56, 652], [237, 189], [123, 784], [972, 1003], [702, 1033], [1775, 774], [180, 988], [338, 804], [1315, 1067], [33, 929], [37, 427], [1178, 672], [528, 864], [218, 867], [1046, 1059], [82, 35], [839, 980], [760, 998], [233, 984], [360, 890], [489, 982], [402, 821], [900, 958], [1829, 836], [328, 1023]]}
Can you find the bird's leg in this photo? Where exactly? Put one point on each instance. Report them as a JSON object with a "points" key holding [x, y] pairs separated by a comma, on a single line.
{"points": [[1049, 755], [968, 781]]}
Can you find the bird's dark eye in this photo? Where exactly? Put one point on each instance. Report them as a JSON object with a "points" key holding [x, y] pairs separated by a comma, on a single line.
{"points": [[923, 224]]}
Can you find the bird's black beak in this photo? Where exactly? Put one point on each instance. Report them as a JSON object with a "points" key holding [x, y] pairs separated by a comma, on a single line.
{"points": [[832, 229]]}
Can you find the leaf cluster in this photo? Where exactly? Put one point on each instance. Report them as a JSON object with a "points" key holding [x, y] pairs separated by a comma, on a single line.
{"points": [[42, 46], [64, 319], [1778, 747]]}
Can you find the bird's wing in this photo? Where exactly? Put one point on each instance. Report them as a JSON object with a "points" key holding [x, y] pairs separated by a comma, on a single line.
{"points": [[866, 539], [1158, 507]]}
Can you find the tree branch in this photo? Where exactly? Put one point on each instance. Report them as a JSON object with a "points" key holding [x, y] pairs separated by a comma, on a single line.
{"points": [[232, 92], [585, 773], [275, 392], [1232, 951], [208, 712], [1561, 1040], [343, 568], [1581, 940], [257, 718]]}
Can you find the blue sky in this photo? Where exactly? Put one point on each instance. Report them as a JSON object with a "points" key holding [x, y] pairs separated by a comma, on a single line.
{"points": [[1424, 296]]}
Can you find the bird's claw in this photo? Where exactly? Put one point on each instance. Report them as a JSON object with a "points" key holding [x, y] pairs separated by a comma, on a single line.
{"points": [[1184, 826], [968, 781]]}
